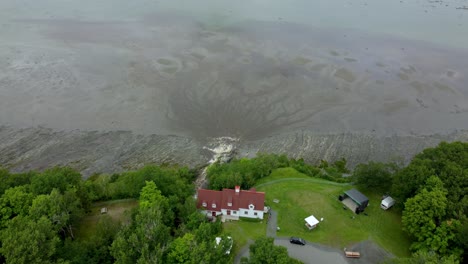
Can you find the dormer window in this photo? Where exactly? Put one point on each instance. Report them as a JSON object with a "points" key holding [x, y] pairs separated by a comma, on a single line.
{"points": [[213, 205], [229, 204], [204, 204]]}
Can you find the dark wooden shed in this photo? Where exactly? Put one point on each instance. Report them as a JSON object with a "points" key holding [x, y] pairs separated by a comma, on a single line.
{"points": [[358, 198]]}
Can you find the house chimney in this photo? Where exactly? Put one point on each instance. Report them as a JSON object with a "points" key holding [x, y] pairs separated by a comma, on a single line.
{"points": [[237, 189]]}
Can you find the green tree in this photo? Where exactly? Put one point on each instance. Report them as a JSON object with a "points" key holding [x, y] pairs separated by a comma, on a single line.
{"points": [[94, 249], [340, 165], [208, 231], [60, 178], [449, 162], [424, 257], [150, 196], [462, 237], [62, 210], [423, 218], [15, 201], [98, 187], [100, 242], [202, 253], [9, 180], [170, 181], [28, 241], [263, 251], [180, 250], [144, 240], [375, 176]]}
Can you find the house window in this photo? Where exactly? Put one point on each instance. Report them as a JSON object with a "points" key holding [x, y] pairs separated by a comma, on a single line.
{"points": [[251, 206], [213, 205], [204, 204], [234, 212], [229, 204], [246, 212], [255, 213]]}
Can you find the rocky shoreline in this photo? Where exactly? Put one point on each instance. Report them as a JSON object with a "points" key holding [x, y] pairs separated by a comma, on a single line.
{"points": [[114, 151]]}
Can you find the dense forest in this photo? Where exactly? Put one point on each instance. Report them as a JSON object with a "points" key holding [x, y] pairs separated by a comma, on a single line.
{"points": [[40, 211]]}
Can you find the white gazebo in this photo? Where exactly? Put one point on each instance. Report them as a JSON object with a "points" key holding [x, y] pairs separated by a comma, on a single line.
{"points": [[311, 222]]}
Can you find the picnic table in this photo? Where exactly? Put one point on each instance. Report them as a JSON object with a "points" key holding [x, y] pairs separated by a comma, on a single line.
{"points": [[352, 254]]}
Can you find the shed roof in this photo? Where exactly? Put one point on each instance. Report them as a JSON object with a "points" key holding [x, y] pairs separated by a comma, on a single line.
{"points": [[311, 220], [356, 196]]}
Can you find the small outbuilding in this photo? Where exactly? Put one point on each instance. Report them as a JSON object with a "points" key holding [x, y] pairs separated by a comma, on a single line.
{"points": [[354, 200], [311, 222], [104, 210], [387, 203]]}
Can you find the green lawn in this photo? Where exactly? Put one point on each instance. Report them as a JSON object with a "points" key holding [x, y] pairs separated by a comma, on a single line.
{"points": [[301, 196], [116, 210], [241, 231]]}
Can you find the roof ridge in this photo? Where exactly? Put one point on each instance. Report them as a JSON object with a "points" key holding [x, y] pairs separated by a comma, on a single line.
{"points": [[208, 190], [251, 191]]}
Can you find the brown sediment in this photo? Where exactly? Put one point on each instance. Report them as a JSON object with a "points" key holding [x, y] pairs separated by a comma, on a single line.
{"points": [[302, 60], [318, 67], [444, 87], [420, 87], [403, 76], [165, 62], [345, 74], [334, 53], [380, 64], [350, 59]]}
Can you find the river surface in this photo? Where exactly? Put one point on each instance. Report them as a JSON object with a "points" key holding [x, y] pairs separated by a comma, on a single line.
{"points": [[318, 79]]}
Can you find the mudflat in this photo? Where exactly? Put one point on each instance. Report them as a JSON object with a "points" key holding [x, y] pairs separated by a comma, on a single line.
{"points": [[112, 69]]}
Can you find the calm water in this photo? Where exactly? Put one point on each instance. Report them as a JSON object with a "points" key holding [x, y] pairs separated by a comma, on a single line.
{"points": [[439, 21], [228, 68]]}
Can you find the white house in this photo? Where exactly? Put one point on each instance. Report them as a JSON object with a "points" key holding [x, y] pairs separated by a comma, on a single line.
{"points": [[232, 203]]}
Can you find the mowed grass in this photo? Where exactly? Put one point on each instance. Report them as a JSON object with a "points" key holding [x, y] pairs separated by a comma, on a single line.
{"points": [[301, 196], [118, 210], [241, 231]]}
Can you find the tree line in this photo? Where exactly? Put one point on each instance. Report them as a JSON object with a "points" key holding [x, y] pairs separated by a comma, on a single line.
{"points": [[40, 211], [246, 172]]}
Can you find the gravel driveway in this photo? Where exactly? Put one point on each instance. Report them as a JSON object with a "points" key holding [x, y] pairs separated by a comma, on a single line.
{"points": [[312, 253], [309, 254]]}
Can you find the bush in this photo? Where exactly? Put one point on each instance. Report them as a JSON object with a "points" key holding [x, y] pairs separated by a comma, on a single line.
{"points": [[253, 220], [375, 175]]}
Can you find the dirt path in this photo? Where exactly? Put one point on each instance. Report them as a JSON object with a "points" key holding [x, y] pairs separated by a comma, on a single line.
{"points": [[272, 224]]}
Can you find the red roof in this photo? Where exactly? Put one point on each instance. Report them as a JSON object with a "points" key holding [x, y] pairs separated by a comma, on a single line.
{"points": [[221, 199]]}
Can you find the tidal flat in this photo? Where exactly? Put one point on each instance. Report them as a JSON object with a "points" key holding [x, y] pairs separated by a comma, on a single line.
{"points": [[113, 85]]}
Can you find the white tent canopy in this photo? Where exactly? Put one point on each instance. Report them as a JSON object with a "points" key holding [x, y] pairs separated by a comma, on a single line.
{"points": [[311, 222]]}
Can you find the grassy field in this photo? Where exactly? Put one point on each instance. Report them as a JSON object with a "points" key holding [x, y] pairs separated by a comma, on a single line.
{"points": [[242, 231], [116, 210], [301, 196]]}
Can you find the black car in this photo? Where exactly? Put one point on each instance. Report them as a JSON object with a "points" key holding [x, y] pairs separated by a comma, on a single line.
{"points": [[297, 240]]}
